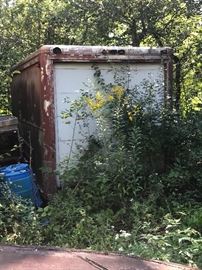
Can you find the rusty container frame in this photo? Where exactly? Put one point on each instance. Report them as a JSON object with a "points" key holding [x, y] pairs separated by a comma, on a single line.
{"points": [[33, 84]]}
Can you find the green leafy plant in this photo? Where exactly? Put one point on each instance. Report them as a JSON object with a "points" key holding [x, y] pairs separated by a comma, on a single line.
{"points": [[144, 156], [134, 189], [19, 220]]}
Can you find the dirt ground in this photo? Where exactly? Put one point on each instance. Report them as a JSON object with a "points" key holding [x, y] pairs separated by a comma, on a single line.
{"points": [[36, 258]]}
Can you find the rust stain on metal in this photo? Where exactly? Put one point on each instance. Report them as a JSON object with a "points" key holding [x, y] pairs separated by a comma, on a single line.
{"points": [[48, 126]]}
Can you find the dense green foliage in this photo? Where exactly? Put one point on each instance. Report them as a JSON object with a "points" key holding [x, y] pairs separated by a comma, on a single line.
{"points": [[141, 179], [25, 25], [136, 189], [18, 219]]}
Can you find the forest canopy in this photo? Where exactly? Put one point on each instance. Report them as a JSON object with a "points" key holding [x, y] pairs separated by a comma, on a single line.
{"points": [[26, 25]]}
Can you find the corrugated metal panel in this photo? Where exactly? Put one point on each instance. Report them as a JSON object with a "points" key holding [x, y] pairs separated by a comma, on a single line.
{"points": [[26, 105]]}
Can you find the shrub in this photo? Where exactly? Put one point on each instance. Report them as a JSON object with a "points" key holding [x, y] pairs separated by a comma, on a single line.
{"points": [[19, 220], [141, 149], [135, 189], [144, 165]]}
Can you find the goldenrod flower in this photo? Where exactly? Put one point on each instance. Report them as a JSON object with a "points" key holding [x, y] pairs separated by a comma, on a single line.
{"points": [[118, 91], [99, 96], [110, 98], [96, 103]]}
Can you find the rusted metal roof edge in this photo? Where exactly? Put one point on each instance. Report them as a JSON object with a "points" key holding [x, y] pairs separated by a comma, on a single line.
{"points": [[74, 53]]}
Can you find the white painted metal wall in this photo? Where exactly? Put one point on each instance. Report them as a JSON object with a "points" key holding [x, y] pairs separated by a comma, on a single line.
{"points": [[70, 78]]}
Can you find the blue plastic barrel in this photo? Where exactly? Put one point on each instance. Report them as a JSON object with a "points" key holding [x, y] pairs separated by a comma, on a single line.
{"points": [[19, 178]]}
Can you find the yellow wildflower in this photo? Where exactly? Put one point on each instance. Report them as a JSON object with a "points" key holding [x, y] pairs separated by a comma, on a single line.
{"points": [[99, 96], [118, 91], [110, 98], [96, 103]]}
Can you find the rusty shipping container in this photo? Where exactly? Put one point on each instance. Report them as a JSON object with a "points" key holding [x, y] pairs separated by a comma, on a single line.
{"points": [[45, 78]]}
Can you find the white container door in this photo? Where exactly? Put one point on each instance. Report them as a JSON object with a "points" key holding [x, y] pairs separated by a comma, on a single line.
{"points": [[70, 78]]}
